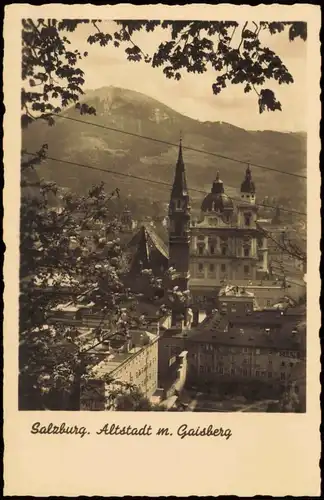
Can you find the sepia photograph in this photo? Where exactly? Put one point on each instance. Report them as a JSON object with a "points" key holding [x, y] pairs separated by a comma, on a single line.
{"points": [[162, 250], [163, 216]]}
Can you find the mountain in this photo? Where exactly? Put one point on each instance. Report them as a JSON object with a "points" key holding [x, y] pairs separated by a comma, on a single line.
{"points": [[137, 113]]}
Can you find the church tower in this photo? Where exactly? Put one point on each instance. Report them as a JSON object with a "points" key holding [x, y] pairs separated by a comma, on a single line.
{"points": [[254, 243], [247, 209], [179, 226]]}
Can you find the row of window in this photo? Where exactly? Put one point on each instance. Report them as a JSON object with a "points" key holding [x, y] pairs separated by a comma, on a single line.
{"points": [[149, 375], [246, 350], [212, 348], [223, 268], [224, 250], [239, 371]]}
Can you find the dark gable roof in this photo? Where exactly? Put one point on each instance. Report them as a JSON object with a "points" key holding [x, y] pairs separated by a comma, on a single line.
{"points": [[147, 238]]}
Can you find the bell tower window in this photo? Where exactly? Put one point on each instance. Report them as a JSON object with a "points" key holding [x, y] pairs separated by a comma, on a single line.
{"points": [[247, 219]]}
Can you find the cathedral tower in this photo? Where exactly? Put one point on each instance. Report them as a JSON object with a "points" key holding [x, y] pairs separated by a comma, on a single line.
{"points": [[247, 209], [179, 226]]}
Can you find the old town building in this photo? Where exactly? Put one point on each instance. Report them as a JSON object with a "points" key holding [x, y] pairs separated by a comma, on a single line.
{"points": [[131, 359], [224, 245], [263, 346]]}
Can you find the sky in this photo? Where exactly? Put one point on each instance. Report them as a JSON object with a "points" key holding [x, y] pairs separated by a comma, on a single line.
{"points": [[192, 95]]}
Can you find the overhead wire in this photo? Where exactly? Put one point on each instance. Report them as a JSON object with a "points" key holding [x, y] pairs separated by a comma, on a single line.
{"points": [[153, 181], [161, 141]]}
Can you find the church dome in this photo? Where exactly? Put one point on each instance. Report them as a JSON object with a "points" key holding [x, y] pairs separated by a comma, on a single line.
{"points": [[217, 200]]}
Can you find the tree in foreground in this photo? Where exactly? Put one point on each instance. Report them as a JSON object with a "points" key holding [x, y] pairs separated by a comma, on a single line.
{"points": [[71, 253], [73, 248], [234, 51]]}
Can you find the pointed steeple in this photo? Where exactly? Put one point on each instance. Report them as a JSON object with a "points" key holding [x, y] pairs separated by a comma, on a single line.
{"points": [[179, 187], [248, 185]]}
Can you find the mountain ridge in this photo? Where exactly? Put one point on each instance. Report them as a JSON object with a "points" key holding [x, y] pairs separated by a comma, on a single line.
{"points": [[136, 113]]}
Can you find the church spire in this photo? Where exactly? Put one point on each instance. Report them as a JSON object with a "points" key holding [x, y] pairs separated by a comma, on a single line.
{"points": [[179, 187], [248, 185]]}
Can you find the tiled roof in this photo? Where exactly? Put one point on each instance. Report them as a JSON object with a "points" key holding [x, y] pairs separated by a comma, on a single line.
{"points": [[250, 337], [250, 330], [145, 241]]}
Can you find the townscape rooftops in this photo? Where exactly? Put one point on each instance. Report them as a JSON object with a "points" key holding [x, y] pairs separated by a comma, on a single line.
{"points": [[251, 336], [258, 329]]}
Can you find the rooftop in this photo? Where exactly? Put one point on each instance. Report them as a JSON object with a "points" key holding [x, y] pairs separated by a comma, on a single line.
{"points": [[72, 307], [235, 291], [113, 361], [259, 328], [278, 338], [203, 283]]}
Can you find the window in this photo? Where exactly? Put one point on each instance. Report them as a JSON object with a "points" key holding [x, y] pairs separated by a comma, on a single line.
{"points": [[178, 203], [212, 249], [268, 303], [247, 219], [200, 267], [201, 368], [283, 363], [283, 376], [269, 374], [270, 361], [200, 250], [224, 250], [223, 268], [246, 252], [245, 349], [246, 269], [244, 372], [233, 371], [257, 373], [211, 268]]}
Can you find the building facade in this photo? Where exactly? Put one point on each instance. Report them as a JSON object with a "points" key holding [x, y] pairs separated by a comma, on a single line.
{"points": [[131, 361], [226, 243], [263, 347]]}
